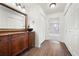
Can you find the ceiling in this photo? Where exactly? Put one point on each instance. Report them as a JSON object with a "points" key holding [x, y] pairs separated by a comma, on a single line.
{"points": [[59, 8], [45, 6]]}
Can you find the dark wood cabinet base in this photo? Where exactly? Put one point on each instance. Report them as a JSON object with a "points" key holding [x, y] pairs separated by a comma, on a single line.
{"points": [[12, 44]]}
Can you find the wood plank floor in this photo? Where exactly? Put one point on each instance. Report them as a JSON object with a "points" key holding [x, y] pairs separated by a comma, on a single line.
{"points": [[49, 48]]}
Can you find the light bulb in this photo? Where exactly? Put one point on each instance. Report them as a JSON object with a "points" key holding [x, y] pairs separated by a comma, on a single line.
{"points": [[52, 5], [19, 7], [23, 9]]}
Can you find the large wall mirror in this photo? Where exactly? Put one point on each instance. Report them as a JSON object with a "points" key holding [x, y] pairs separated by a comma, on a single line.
{"points": [[10, 19]]}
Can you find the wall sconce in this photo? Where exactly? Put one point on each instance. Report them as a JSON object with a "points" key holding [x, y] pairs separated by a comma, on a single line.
{"points": [[20, 6], [23, 8]]}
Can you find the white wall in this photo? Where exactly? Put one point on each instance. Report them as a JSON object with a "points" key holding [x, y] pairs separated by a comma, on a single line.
{"points": [[61, 28], [71, 31], [36, 21], [11, 19]]}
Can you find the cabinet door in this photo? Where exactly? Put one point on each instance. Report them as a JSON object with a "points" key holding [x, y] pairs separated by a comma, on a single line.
{"points": [[15, 44], [26, 40], [22, 41], [19, 43], [31, 39], [4, 46]]}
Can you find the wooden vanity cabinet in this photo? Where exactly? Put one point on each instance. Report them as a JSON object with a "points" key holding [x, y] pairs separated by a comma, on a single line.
{"points": [[13, 44]]}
